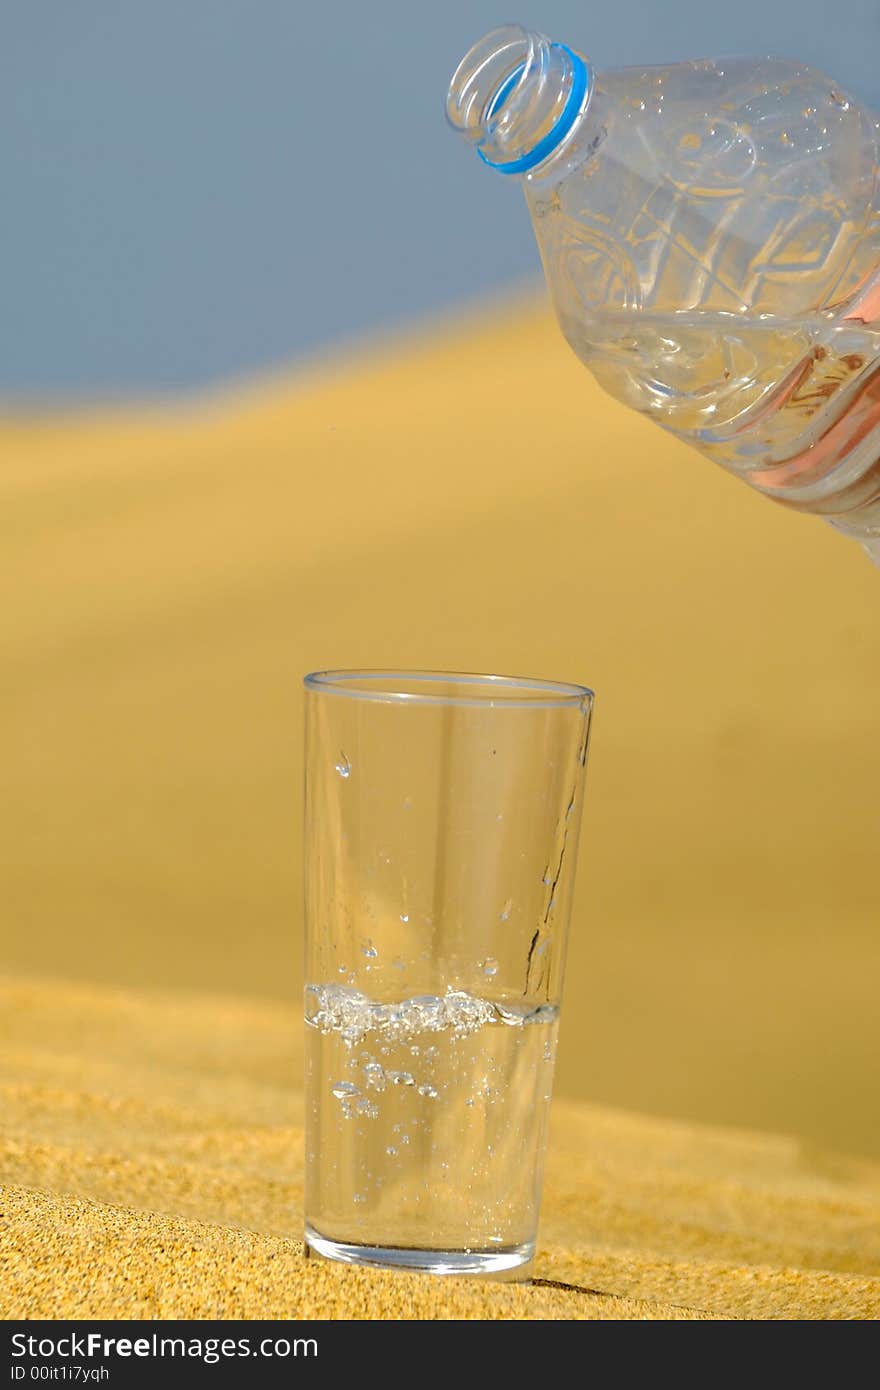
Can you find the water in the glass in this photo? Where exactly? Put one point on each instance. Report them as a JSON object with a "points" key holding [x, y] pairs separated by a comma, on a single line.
{"points": [[428, 1117]]}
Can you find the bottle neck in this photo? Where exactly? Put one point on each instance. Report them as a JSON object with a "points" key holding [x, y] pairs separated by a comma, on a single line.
{"points": [[518, 97]]}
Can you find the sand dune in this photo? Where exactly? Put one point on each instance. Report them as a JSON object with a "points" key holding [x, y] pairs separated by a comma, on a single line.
{"points": [[463, 499], [151, 1163]]}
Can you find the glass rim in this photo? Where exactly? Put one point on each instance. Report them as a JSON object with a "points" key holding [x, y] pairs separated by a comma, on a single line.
{"points": [[479, 690]]}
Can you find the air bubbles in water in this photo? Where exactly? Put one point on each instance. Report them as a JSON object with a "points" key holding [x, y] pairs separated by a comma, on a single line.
{"points": [[312, 1005], [369, 950], [339, 1009], [374, 1076], [343, 767], [345, 1090], [512, 1017]]}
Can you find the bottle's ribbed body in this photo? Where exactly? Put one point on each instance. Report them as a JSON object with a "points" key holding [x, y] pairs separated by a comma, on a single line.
{"points": [[710, 233]]}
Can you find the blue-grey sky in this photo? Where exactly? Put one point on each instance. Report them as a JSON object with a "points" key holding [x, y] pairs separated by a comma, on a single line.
{"points": [[194, 190]]}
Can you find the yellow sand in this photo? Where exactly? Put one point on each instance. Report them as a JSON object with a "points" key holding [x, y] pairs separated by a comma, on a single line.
{"points": [[151, 1162], [466, 499]]}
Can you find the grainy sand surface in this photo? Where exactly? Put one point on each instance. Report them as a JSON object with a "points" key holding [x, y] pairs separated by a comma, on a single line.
{"points": [[151, 1166], [463, 498]]}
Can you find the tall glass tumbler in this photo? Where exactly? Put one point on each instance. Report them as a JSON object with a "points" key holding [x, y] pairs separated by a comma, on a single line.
{"points": [[441, 830]]}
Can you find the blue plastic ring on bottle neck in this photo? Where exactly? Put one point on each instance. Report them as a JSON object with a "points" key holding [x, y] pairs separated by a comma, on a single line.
{"points": [[581, 81]]}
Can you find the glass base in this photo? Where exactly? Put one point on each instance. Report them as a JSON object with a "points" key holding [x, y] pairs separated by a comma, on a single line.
{"points": [[506, 1262]]}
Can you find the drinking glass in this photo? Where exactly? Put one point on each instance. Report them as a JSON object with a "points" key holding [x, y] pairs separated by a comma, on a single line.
{"points": [[441, 828]]}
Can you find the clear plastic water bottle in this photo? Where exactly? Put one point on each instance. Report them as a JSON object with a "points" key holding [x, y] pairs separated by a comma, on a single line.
{"points": [[710, 233]]}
